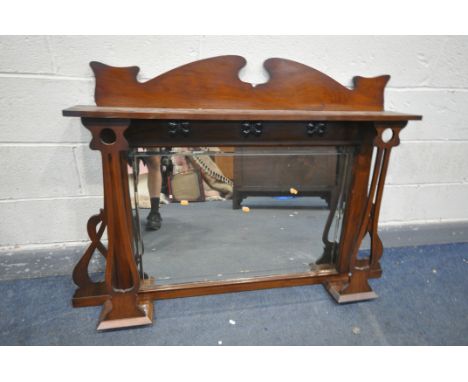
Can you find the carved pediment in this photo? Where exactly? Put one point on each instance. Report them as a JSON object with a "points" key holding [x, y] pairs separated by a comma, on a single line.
{"points": [[214, 83]]}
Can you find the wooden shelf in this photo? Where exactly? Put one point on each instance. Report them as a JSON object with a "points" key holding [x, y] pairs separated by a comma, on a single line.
{"points": [[85, 111]]}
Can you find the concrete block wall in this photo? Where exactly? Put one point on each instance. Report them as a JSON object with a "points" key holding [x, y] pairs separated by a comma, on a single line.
{"points": [[51, 181]]}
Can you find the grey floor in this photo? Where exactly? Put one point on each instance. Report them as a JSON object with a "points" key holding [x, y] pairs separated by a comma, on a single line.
{"points": [[276, 236]]}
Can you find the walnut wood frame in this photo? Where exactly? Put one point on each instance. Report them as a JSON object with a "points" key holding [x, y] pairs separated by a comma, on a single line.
{"points": [[209, 95]]}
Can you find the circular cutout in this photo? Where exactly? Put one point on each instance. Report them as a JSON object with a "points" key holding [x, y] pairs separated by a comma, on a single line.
{"points": [[387, 135], [107, 136]]}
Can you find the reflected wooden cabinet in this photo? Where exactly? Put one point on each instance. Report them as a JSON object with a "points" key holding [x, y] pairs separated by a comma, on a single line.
{"points": [[256, 175], [204, 104]]}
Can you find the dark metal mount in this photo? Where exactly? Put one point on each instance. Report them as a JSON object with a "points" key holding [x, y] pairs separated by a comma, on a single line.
{"points": [[251, 128], [316, 129], [179, 128]]}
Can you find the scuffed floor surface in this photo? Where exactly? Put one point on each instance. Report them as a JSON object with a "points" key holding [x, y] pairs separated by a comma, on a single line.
{"points": [[423, 301]]}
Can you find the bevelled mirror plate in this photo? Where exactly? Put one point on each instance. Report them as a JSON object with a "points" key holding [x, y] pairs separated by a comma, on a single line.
{"points": [[234, 213]]}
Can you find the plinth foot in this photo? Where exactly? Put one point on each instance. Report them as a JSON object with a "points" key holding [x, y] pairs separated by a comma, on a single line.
{"points": [[334, 290], [126, 322], [356, 289]]}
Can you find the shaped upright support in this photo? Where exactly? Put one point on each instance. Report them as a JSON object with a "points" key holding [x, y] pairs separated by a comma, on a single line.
{"points": [[121, 307], [362, 216]]}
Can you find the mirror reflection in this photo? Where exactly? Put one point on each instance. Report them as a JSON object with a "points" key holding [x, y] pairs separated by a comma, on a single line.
{"points": [[219, 213]]}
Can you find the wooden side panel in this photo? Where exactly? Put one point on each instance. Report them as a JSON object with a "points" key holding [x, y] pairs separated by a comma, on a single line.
{"points": [[226, 163]]}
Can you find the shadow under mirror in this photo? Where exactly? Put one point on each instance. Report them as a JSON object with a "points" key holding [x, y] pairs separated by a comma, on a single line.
{"points": [[224, 213]]}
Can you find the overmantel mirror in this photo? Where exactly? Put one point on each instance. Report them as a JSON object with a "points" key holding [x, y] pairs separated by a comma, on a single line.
{"points": [[212, 185]]}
